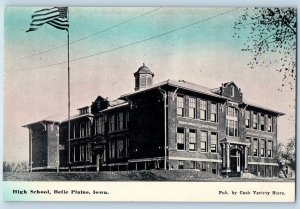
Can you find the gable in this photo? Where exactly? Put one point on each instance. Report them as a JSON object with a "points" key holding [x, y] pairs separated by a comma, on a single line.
{"points": [[99, 104], [231, 91]]}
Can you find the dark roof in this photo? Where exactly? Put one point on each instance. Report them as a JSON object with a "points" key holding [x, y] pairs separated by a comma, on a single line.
{"points": [[179, 84], [79, 116], [115, 106], [143, 70], [39, 122]]}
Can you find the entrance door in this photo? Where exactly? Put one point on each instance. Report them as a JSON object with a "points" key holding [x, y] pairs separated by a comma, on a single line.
{"points": [[235, 160]]}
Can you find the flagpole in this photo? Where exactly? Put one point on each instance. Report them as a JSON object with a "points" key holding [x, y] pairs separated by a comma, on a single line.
{"points": [[69, 126]]}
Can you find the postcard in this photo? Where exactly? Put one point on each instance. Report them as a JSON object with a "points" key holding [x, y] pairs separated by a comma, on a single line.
{"points": [[168, 104]]}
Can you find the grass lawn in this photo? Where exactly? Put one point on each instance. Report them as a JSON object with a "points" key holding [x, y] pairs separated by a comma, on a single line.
{"points": [[155, 175]]}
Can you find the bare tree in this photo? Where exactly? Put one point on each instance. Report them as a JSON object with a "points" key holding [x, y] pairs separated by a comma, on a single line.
{"points": [[271, 38], [286, 154]]}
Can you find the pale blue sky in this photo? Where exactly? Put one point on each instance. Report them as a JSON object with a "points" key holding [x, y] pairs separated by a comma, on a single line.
{"points": [[205, 54]]}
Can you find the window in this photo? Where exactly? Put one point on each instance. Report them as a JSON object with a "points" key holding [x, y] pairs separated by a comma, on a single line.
{"points": [[248, 139], [232, 91], [203, 141], [88, 150], [85, 128], [83, 110], [97, 125], [77, 153], [192, 107], [213, 112], [203, 166], [270, 148], [180, 164], [254, 120], [127, 147], [247, 119], [262, 122], [180, 139], [231, 112], [102, 125], [269, 123], [120, 148], [127, 120], [72, 154], [263, 148], [112, 123], [143, 81], [120, 121], [231, 121], [112, 148], [255, 147], [192, 140], [180, 107], [203, 109], [82, 152], [214, 142]]}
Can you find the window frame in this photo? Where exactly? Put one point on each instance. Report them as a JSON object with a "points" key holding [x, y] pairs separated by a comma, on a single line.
{"points": [[247, 118], [255, 148], [203, 149], [194, 139], [181, 139], [269, 124], [120, 151], [263, 148], [262, 126], [203, 109], [180, 105], [255, 121], [215, 144], [270, 149], [192, 107], [214, 112]]}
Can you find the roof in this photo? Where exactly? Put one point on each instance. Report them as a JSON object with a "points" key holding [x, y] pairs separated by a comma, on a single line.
{"points": [[179, 84], [117, 104], [261, 107], [79, 116], [143, 70], [50, 119]]}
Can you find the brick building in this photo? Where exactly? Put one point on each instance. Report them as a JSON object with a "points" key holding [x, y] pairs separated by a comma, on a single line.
{"points": [[168, 125]]}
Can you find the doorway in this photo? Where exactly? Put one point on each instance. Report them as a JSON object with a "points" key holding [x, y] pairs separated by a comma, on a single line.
{"points": [[235, 160]]}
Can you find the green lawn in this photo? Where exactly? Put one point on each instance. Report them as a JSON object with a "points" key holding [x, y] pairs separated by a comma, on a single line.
{"points": [[155, 175]]}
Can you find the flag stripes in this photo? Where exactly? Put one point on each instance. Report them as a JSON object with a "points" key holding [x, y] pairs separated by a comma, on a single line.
{"points": [[56, 17]]}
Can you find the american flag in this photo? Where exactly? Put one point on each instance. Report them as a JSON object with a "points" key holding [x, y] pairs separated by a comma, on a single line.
{"points": [[56, 16]]}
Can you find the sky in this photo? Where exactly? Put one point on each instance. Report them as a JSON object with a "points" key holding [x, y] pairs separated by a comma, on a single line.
{"points": [[205, 53]]}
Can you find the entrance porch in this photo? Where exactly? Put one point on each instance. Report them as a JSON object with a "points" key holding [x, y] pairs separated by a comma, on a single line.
{"points": [[234, 156]]}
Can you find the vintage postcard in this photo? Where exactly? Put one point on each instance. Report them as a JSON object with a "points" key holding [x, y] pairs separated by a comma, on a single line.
{"points": [[149, 104]]}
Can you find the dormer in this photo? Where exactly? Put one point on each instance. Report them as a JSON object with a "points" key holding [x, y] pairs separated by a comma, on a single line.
{"points": [[231, 91], [84, 110], [99, 104], [143, 78]]}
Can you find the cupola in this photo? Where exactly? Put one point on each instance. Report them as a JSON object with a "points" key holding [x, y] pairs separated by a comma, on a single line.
{"points": [[143, 78]]}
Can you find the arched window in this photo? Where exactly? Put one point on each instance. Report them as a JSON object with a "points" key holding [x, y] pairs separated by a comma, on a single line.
{"points": [[231, 121]]}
